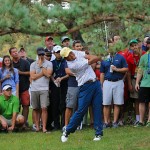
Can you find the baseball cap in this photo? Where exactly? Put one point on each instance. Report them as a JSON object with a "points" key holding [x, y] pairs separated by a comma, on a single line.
{"points": [[6, 87], [147, 35], [148, 41], [64, 38], [57, 48], [40, 50], [65, 52], [133, 41], [48, 37]]}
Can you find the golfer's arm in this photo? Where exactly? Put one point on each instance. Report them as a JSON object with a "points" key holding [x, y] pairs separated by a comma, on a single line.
{"points": [[93, 59]]}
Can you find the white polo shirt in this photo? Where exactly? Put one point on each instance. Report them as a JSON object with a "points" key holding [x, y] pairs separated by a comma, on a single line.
{"points": [[81, 69]]}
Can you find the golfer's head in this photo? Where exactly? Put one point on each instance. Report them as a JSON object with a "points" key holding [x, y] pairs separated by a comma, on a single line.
{"points": [[67, 53]]}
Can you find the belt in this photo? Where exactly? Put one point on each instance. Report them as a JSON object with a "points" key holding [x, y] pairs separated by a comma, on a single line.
{"points": [[89, 81], [113, 80]]}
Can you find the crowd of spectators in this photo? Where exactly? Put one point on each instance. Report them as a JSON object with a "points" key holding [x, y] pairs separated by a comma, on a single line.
{"points": [[54, 91]]}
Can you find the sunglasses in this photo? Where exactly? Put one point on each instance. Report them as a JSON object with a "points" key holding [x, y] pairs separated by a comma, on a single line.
{"points": [[41, 54], [48, 55]]}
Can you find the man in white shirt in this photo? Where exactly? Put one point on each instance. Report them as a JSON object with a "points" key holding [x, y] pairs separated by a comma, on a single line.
{"points": [[90, 91]]}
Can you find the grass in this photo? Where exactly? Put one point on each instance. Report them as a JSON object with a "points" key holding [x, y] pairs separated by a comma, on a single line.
{"points": [[123, 138]]}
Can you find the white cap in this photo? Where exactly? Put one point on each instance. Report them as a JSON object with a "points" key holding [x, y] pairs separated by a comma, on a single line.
{"points": [[7, 86], [57, 48]]}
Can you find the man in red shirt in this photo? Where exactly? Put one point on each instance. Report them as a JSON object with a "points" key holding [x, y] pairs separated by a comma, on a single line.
{"points": [[133, 61]]}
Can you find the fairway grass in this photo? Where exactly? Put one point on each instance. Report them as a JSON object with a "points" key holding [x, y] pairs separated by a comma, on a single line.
{"points": [[123, 138]]}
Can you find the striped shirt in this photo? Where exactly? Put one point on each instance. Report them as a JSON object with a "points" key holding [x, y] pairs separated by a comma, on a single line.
{"points": [[81, 69]]}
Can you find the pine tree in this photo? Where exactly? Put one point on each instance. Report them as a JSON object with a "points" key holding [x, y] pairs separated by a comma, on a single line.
{"points": [[83, 18]]}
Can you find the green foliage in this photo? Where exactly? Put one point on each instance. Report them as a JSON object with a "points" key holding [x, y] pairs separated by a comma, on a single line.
{"points": [[130, 19], [117, 47]]}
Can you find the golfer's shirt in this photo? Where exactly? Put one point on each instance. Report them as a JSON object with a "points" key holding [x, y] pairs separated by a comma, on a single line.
{"points": [[81, 69]]}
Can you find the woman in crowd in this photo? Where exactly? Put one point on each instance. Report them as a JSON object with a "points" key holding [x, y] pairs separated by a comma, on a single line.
{"points": [[9, 75]]}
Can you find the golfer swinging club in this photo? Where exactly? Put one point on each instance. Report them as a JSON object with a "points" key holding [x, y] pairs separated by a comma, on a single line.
{"points": [[90, 91]]}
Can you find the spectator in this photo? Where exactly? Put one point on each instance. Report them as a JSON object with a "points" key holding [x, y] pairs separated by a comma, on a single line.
{"points": [[65, 41], [144, 45], [115, 39], [59, 90], [48, 56], [89, 92], [133, 61], [143, 76], [49, 126], [23, 67], [49, 43], [40, 72], [23, 55], [112, 73], [9, 75], [9, 109]]}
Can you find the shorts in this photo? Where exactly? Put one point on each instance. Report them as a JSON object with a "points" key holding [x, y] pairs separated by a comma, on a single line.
{"points": [[72, 97], [40, 99], [9, 121], [134, 94], [144, 94], [113, 91], [24, 98]]}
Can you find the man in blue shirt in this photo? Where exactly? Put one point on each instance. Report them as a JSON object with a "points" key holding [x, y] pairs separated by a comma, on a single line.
{"points": [[112, 73]]}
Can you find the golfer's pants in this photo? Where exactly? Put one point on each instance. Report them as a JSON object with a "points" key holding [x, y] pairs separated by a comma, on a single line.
{"points": [[89, 93]]}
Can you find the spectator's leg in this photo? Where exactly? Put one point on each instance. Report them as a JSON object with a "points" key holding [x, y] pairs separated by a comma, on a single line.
{"points": [[55, 108], [37, 119], [106, 113], [68, 114], [116, 112], [25, 112], [44, 118], [142, 109], [3, 123]]}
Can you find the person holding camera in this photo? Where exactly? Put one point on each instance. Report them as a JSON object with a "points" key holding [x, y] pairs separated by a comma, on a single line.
{"points": [[143, 76]]}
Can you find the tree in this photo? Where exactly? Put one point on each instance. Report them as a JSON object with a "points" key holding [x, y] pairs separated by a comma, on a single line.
{"points": [[24, 16]]}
